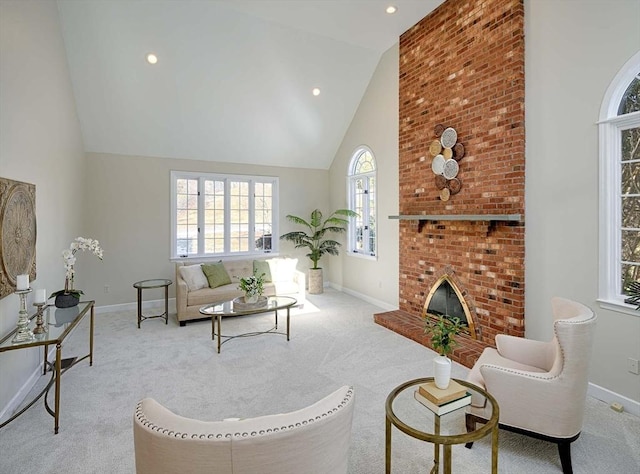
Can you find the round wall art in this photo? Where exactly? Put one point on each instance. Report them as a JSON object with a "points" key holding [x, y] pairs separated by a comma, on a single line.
{"points": [[447, 152], [17, 233]]}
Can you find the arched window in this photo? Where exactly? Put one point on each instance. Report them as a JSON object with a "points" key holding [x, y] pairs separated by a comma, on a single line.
{"points": [[362, 199], [619, 129]]}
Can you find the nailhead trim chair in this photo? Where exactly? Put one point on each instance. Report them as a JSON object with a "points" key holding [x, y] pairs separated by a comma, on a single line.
{"points": [[540, 387], [313, 440]]}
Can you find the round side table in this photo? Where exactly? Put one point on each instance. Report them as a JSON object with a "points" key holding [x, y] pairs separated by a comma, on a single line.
{"points": [[148, 285], [414, 419]]}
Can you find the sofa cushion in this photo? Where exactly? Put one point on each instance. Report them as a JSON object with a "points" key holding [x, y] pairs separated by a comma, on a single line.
{"points": [[194, 277], [261, 267], [216, 274]]}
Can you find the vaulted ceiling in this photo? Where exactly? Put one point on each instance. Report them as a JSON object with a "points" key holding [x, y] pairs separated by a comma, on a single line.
{"points": [[234, 78]]}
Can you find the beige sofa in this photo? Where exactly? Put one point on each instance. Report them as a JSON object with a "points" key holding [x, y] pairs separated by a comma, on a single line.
{"points": [[191, 295]]}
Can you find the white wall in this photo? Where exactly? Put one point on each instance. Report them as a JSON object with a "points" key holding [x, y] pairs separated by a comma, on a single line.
{"points": [[40, 143], [128, 210], [573, 50], [375, 124]]}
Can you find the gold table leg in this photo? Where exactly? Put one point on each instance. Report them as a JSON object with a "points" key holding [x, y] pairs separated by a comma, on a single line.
{"points": [[56, 415], [91, 338], [387, 455], [288, 322], [139, 306], [494, 450], [447, 459]]}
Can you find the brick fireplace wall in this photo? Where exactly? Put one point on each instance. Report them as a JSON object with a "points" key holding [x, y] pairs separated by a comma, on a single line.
{"points": [[462, 66]]}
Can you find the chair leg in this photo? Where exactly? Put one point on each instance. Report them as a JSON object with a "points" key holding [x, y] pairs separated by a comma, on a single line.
{"points": [[564, 449], [470, 421]]}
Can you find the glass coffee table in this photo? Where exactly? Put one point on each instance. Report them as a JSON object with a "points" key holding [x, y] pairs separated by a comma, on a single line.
{"points": [[218, 311], [416, 420]]}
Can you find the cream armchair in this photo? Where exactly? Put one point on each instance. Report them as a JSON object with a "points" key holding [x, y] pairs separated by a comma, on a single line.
{"points": [[313, 440], [540, 387]]}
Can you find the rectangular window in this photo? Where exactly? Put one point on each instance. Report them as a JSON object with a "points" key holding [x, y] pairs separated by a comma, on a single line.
{"points": [[630, 207], [221, 215]]}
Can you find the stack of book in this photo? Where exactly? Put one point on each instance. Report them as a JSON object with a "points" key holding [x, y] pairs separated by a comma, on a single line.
{"points": [[441, 401]]}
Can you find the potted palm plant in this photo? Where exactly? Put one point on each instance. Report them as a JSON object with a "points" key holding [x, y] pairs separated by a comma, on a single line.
{"points": [[443, 330], [313, 238]]}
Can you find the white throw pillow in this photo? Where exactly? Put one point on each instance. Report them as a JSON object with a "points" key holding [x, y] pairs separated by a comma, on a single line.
{"points": [[194, 277], [282, 269]]}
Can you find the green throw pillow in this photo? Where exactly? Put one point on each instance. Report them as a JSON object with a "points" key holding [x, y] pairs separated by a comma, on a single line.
{"points": [[216, 274], [260, 267]]}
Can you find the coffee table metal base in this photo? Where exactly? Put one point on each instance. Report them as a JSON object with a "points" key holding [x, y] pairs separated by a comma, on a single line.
{"points": [[216, 320]]}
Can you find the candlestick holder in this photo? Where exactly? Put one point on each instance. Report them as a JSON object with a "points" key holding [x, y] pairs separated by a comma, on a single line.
{"points": [[40, 327], [23, 333]]}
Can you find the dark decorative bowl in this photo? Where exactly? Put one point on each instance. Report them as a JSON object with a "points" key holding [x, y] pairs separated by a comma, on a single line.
{"points": [[66, 300]]}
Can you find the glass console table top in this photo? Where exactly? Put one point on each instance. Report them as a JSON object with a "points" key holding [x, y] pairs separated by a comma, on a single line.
{"points": [[58, 321]]}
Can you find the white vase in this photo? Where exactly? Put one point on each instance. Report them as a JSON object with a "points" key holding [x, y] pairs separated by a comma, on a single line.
{"points": [[442, 371]]}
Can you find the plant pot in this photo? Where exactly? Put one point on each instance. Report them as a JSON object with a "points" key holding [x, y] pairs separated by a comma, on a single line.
{"points": [[442, 371], [66, 300], [316, 283], [251, 299]]}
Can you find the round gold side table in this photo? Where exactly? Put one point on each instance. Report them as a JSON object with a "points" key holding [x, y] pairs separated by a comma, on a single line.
{"points": [[416, 420]]}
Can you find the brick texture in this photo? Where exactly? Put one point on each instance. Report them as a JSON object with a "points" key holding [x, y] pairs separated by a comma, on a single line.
{"points": [[462, 66]]}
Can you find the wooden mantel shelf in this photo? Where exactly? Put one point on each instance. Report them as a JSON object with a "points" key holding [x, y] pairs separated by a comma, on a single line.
{"points": [[459, 217], [491, 218]]}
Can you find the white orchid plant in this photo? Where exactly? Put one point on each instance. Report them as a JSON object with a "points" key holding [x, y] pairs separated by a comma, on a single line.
{"points": [[69, 257]]}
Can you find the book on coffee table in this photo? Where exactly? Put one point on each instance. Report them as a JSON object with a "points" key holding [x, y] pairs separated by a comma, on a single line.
{"points": [[446, 407], [441, 396]]}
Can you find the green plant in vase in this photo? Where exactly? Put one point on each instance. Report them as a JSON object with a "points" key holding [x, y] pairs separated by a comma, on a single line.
{"points": [[313, 238], [443, 330], [253, 287]]}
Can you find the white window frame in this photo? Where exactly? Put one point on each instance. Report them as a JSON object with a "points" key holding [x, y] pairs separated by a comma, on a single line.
{"points": [[202, 177], [351, 193], [610, 127]]}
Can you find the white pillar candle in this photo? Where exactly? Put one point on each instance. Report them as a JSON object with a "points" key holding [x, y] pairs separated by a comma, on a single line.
{"points": [[22, 282], [41, 296]]}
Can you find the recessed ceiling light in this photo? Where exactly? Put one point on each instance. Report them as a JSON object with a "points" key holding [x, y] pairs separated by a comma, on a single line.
{"points": [[315, 91], [391, 9], [152, 58]]}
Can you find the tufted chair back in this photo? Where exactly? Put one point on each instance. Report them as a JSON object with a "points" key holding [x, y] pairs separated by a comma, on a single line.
{"points": [[313, 440]]}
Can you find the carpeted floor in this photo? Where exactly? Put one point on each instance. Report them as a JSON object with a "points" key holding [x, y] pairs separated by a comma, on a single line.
{"points": [[334, 341]]}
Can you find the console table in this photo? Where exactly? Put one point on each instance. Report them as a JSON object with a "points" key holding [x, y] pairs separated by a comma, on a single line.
{"points": [[63, 322]]}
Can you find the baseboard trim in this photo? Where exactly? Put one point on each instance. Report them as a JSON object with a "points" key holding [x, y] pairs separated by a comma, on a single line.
{"points": [[22, 394], [133, 306], [607, 396], [382, 304]]}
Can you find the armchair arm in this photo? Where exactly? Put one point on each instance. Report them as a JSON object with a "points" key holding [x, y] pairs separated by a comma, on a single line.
{"points": [[526, 351]]}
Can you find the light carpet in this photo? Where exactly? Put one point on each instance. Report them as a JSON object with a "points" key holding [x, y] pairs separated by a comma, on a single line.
{"points": [[334, 342]]}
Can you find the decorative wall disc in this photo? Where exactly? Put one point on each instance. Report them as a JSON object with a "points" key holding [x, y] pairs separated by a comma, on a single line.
{"points": [[435, 147], [450, 169], [447, 153], [454, 185], [458, 151], [438, 129], [437, 165], [449, 137], [444, 194], [441, 182]]}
